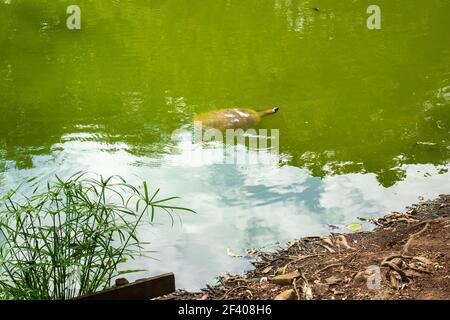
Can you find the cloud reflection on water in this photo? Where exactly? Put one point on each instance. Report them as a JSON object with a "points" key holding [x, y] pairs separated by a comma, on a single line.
{"points": [[238, 206]]}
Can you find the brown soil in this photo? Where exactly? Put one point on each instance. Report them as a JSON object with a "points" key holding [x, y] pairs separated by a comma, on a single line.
{"points": [[410, 251]]}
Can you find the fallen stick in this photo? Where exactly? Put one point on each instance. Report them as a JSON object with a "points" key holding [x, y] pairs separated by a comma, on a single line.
{"points": [[328, 267], [234, 289], [298, 259], [414, 235]]}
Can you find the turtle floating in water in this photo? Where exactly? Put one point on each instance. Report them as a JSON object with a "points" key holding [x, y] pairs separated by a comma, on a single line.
{"points": [[232, 118]]}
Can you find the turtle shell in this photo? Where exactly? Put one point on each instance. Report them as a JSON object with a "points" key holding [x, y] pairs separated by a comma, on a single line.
{"points": [[229, 118]]}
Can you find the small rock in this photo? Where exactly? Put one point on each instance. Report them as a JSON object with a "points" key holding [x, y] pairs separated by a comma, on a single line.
{"points": [[263, 280], [342, 242], [286, 279], [328, 241], [286, 295], [267, 270], [333, 280]]}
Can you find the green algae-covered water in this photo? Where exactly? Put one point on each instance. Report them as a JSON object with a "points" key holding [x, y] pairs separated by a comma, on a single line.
{"points": [[364, 121]]}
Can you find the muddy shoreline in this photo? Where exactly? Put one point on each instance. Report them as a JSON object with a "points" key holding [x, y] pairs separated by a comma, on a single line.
{"points": [[405, 257]]}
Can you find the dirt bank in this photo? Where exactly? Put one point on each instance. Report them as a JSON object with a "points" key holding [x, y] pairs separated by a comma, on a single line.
{"points": [[405, 257]]}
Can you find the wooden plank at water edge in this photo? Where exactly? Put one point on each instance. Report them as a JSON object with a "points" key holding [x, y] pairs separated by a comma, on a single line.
{"points": [[144, 289]]}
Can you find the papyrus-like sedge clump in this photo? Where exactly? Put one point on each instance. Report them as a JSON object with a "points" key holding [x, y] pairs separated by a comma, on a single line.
{"points": [[68, 238]]}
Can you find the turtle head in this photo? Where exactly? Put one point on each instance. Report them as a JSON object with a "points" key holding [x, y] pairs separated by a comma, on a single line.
{"points": [[270, 111]]}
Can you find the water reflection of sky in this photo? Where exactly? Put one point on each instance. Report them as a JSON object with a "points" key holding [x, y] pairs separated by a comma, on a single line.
{"points": [[238, 206], [379, 115]]}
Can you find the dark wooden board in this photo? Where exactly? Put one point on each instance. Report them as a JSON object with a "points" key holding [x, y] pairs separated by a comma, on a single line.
{"points": [[144, 289]]}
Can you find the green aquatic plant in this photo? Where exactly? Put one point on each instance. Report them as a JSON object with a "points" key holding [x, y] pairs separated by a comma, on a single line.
{"points": [[69, 239]]}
